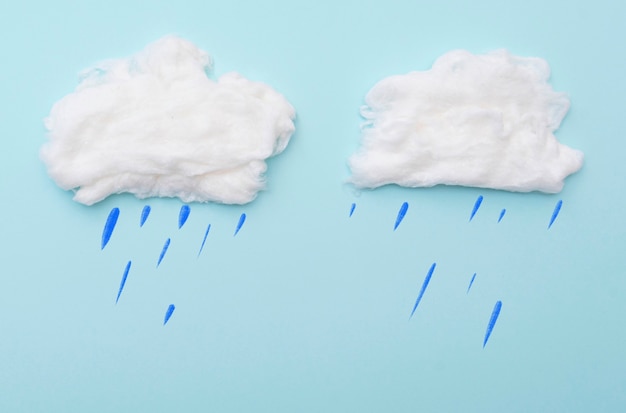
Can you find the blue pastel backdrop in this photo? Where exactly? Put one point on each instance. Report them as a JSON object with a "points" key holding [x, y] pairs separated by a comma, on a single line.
{"points": [[307, 309]]}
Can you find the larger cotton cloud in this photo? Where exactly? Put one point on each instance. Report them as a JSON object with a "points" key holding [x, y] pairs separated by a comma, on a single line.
{"points": [[472, 120], [156, 125]]}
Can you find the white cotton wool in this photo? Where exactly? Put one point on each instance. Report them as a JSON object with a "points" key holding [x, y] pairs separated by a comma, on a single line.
{"points": [[473, 120], [155, 125]]}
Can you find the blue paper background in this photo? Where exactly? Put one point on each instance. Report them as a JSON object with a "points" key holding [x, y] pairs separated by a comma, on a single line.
{"points": [[307, 309]]}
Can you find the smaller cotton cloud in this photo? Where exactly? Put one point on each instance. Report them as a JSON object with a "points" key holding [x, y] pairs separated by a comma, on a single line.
{"points": [[156, 125], [473, 120]]}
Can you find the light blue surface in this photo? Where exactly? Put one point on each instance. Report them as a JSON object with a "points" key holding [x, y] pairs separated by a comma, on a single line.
{"points": [[307, 309]]}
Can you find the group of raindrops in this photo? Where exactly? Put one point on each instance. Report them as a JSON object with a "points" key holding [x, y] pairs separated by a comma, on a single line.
{"points": [[498, 305], [183, 215], [185, 210]]}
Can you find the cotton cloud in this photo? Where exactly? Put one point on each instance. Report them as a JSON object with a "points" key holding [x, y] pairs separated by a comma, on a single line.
{"points": [[155, 125], [472, 120]]}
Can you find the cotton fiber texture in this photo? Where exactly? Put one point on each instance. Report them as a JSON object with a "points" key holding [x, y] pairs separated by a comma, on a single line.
{"points": [[473, 120], [156, 125]]}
